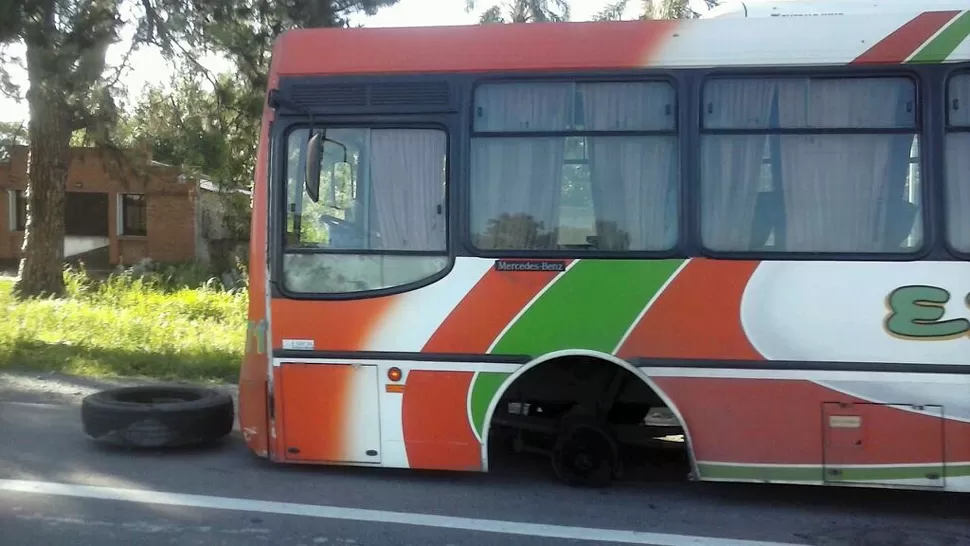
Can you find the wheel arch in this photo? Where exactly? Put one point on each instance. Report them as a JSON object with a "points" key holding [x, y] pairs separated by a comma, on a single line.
{"points": [[548, 357]]}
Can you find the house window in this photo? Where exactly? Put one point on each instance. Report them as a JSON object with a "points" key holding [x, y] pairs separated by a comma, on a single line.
{"points": [[134, 215], [86, 214], [17, 212]]}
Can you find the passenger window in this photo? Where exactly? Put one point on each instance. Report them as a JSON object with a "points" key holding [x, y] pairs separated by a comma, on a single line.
{"points": [[810, 165], [601, 175]]}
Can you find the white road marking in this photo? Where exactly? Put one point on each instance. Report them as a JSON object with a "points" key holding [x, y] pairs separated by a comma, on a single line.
{"points": [[141, 496], [147, 527]]}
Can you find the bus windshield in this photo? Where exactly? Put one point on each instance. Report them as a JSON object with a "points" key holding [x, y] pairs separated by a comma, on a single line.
{"points": [[380, 221]]}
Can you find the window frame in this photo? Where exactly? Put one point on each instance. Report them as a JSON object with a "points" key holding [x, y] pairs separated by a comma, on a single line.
{"points": [[947, 130], [919, 128], [678, 132], [283, 127], [14, 196], [123, 217]]}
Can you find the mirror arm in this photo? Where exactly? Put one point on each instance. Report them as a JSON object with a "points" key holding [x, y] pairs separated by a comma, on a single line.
{"points": [[341, 144]]}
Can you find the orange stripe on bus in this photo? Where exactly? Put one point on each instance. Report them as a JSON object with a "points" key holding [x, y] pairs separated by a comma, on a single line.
{"points": [[586, 46], [435, 422], [333, 325], [486, 310], [697, 315]]}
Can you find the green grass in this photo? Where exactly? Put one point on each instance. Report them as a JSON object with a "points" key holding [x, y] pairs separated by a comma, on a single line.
{"points": [[127, 325]]}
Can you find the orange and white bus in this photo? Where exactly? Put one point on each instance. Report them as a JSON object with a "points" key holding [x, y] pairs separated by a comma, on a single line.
{"points": [[739, 232]]}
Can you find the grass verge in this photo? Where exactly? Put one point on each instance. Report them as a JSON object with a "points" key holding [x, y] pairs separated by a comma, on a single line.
{"points": [[126, 326]]}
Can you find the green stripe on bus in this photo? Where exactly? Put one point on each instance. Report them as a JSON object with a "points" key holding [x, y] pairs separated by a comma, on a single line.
{"points": [[816, 473], [946, 42], [590, 307], [483, 390]]}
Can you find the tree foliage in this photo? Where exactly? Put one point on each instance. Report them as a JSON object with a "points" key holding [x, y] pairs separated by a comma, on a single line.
{"points": [[205, 131], [208, 132], [243, 31], [613, 11], [674, 9], [650, 9], [11, 134], [523, 11]]}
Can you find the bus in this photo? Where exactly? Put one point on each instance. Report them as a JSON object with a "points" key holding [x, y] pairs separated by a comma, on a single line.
{"points": [[735, 236]]}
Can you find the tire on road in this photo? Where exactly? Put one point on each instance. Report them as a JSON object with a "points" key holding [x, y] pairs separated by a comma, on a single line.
{"points": [[155, 416]]}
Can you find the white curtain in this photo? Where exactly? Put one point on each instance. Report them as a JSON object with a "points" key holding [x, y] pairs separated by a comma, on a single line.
{"points": [[731, 164], [523, 107], [958, 165], [407, 171], [516, 192], [837, 188], [633, 179], [516, 183], [958, 190]]}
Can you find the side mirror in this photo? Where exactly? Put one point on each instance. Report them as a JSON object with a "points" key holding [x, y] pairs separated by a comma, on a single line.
{"points": [[314, 156]]}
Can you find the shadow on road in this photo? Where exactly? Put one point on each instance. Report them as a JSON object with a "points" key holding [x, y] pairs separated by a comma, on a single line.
{"points": [[656, 480]]}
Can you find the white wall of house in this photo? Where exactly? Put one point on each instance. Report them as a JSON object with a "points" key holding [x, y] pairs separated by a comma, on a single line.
{"points": [[74, 245]]}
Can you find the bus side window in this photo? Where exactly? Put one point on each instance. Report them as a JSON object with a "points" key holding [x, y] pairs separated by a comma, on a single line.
{"points": [[839, 152]]}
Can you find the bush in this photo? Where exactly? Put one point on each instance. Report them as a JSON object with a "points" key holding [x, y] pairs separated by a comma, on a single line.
{"points": [[171, 322]]}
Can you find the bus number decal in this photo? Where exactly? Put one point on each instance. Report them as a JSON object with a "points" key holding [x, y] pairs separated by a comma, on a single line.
{"points": [[915, 312]]}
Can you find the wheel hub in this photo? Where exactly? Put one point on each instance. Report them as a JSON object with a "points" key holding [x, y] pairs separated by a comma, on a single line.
{"points": [[584, 456]]}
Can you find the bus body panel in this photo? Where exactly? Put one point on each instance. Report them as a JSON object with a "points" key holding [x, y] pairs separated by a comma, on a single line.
{"points": [[893, 37], [821, 372], [342, 425], [255, 376], [735, 310], [778, 342]]}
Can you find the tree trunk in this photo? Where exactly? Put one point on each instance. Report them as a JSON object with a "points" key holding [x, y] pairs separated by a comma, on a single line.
{"points": [[41, 268]]}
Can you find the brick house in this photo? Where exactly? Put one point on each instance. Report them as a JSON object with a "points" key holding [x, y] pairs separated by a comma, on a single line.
{"points": [[119, 209]]}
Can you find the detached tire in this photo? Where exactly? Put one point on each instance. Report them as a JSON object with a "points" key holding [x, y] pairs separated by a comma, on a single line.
{"points": [[157, 416]]}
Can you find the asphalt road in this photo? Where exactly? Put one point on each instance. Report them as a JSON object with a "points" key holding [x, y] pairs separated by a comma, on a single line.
{"points": [[42, 442]]}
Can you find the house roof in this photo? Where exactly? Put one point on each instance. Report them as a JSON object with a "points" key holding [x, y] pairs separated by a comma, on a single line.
{"points": [[208, 185]]}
